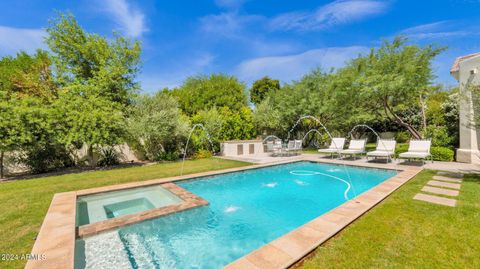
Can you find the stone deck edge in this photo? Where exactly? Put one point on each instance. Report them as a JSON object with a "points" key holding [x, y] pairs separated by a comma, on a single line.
{"points": [[190, 201], [56, 238]]}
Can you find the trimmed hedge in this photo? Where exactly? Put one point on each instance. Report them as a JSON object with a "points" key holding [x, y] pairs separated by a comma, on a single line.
{"points": [[442, 154]]}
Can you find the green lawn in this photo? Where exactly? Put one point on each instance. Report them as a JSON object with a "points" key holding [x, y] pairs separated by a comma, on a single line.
{"points": [[404, 233], [24, 203], [398, 233]]}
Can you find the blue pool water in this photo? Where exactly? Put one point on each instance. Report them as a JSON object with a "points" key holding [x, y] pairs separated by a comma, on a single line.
{"points": [[247, 210]]}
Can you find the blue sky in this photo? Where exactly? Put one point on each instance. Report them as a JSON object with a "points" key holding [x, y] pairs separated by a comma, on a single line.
{"points": [[252, 38]]}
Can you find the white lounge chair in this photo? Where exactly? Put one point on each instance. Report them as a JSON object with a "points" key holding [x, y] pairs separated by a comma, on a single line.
{"points": [[356, 146], [418, 149], [335, 146], [385, 148]]}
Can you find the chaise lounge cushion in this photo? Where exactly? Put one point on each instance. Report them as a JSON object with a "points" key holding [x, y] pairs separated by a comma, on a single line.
{"points": [[379, 153], [414, 155]]}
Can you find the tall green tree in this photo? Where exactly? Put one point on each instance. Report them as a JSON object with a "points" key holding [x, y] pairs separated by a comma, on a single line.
{"points": [[108, 67], [261, 88], [157, 125], [206, 92], [394, 78], [97, 78], [26, 92]]}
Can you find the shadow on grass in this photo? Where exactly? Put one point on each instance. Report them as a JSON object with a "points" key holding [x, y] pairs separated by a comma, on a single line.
{"points": [[71, 170]]}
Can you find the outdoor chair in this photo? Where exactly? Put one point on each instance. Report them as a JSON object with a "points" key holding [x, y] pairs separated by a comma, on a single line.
{"points": [[356, 147], [418, 149], [335, 146], [385, 148], [277, 147]]}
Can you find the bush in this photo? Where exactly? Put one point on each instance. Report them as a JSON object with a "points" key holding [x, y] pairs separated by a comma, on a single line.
{"points": [[402, 137], [167, 156], [202, 153], [44, 158], [442, 154], [400, 148], [108, 156], [439, 136]]}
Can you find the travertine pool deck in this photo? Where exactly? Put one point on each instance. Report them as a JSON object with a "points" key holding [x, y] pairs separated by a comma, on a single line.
{"points": [[56, 239]]}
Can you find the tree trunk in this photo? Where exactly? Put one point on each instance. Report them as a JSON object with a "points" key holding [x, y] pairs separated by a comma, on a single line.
{"points": [[424, 116], [399, 120], [90, 155], [1, 163]]}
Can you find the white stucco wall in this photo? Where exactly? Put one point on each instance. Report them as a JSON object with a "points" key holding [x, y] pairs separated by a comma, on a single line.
{"points": [[468, 151]]}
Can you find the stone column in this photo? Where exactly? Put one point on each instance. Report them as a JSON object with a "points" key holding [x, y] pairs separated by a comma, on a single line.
{"points": [[468, 75]]}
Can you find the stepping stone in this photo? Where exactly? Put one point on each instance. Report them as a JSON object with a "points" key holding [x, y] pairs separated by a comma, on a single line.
{"points": [[447, 179], [435, 199], [440, 191], [450, 174], [444, 184]]}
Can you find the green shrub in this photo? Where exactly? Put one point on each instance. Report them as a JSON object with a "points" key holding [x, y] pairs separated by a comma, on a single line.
{"points": [[202, 153], [167, 156], [442, 154], [402, 137], [44, 158], [108, 156], [400, 148], [439, 136]]}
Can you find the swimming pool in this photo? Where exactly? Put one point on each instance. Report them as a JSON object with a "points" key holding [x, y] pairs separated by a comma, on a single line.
{"points": [[247, 210]]}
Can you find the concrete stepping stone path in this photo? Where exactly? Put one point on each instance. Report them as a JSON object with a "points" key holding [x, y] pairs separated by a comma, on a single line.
{"points": [[435, 199], [443, 184], [441, 191], [447, 179]]}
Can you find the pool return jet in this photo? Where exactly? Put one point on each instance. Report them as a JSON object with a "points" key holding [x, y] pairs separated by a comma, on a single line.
{"points": [[349, 182]]}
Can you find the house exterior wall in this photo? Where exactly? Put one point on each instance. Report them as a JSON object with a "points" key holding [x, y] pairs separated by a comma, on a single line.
{"points": [[468, 151]]}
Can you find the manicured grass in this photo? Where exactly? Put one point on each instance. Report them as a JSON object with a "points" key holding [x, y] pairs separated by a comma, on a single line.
{"points": [[405, 233], [24, 203]]}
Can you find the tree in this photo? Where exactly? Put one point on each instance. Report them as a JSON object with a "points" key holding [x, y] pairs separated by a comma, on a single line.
{"points": [[394, 78], [330, 97], [156, 124], [97, 77], [108, 67], [26, 91], [206, 92], [86, 118], [261, 88]]}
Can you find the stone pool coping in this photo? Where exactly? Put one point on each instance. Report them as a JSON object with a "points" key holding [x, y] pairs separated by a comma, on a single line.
{"points": [[56, 239], [189, 201]]}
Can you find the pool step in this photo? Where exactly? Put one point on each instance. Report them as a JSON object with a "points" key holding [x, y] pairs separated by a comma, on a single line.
{"points": [[435, 199]]}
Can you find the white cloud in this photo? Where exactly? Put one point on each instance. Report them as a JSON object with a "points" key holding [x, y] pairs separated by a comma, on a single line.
{"points": [[336, 13], [130, 19], [440, 29], [227, 24], [291, 67], [13, 40], [230, 3], [154, 80]]}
